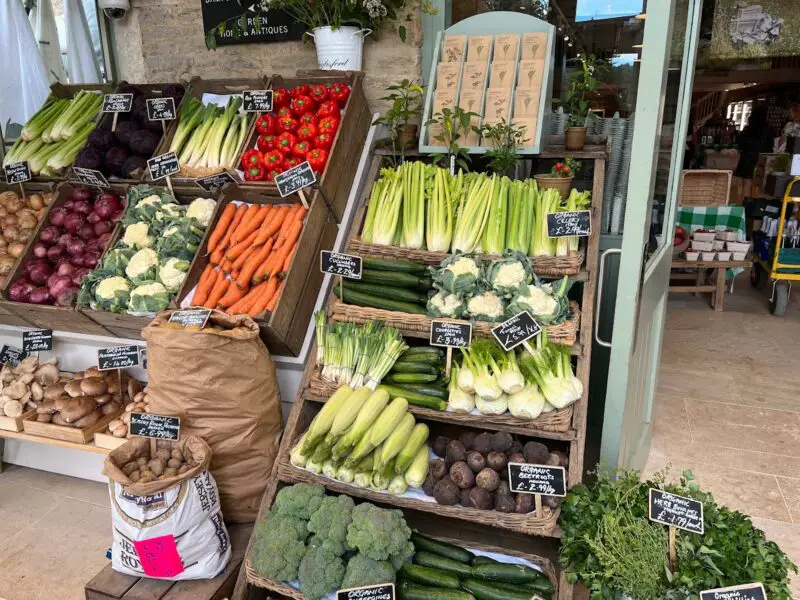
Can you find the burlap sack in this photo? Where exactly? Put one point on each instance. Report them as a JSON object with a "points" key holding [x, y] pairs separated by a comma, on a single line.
{"points": [[221, 382]]}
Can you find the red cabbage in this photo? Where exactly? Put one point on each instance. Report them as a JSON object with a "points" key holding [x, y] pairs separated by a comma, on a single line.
{"points": [[133, 164], [102, 140], [90, 157], [115, 158], [123, 133], [144, 142]]}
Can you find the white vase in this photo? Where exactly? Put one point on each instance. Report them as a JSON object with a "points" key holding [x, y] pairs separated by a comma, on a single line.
{"points": [[339, 49]]}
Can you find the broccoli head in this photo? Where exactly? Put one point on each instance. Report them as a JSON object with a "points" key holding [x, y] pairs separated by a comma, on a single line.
{"points": [[321, 571], [329, 523], [363, 571], [277, 548], [381, 534], [301, 500]]}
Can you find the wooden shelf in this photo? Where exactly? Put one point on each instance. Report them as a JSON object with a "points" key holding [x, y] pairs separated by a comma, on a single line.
{"points": [[26, 437]]}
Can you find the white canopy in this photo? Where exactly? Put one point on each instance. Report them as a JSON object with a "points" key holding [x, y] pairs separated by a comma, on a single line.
{"points": [[81, 63], [46, 33]]}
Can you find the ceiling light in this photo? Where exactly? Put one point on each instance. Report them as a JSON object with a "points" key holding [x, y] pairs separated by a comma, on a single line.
{"points": [[566, 38]]}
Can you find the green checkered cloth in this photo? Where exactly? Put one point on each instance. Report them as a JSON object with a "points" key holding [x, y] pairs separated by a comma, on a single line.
{"points": [[713, 217]]}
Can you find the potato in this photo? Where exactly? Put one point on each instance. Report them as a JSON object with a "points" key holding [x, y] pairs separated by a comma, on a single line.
{"points": [[120, 431], [183, 469], [130, 467], [163, 454], [126, 417], [138, 407], [135, 476], [170, 472], [157, 466], [36, 202], [130, 407], [176, 453], [174, 463], [147, 478], [141, 461]]}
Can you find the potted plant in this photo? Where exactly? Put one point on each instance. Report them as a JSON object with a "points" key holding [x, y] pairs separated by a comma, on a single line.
{"points": [[577, 100], [505, 139], [560, 176], [448, 127], [406, 106]]}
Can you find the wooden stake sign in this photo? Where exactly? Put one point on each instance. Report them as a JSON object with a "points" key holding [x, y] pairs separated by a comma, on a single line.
{"points": [[677, 512], [539, 480], [158, 427], [295, 179], [117, 103], [163, 166]]}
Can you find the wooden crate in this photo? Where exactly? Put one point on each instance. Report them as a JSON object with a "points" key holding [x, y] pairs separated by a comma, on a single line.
{"points": [[108, 441], [110, 585], [15, 423], [337, 179], [130, 326], [283, 330], [57, 318], [67, 434], [705, 187]]}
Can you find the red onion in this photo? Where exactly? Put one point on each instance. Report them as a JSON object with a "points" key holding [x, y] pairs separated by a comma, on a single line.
{"points": [[103, 239], [64, 239], [82, 193], [55, 252], [37, 263], [66, 268], [49, 235], [56, 284], [39, 250], [90, 259], [57, 215], [93, 218], [39, 276], [79, 274], [102, 227], [73, 222], [86, 231], [117, 216], [76, 247], [20, 291], [40, 295], [107, 204], [67, 297], [82, 207]]}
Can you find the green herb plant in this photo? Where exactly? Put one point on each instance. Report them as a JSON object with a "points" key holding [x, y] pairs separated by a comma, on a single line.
{"points": [[455, 124], [582, 86], [406, 106], [505, 138]]}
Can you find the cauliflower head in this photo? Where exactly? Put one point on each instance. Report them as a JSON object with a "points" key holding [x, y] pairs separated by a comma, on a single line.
{"points": [[172, 273], [486, 306], [363, 571], [277, 548], [112, 294], [321, 571], [444, 304], [457, 274], [300, 500], [137, 236], [149, 298], [142, 266], [509, 274], [201, 209], [169, 212], [379, 533], [329, 523]]}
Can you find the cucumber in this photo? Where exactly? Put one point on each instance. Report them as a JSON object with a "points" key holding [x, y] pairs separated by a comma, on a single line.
{"points": [[368, 300], [425, 284], [414, 398], [434, 561], [428, 358], [403, 280], [409, 591], [484, 560], [416, 350], [506, 573], [483, 590], [422, 542], [427, 576], [427, 390], [409, 367], [541, 587], [410, 378], [394, 265], [385, 291]]}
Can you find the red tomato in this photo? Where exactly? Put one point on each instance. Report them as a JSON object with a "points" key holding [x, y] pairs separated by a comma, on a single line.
{"points": [[265, 143], [302, 105], [306, 132], [287, 124], [301, 149], [328, 109], [285, 142], [324, 141], [317, 158], [280, 97], [285, 111], [339, 92], [301, 89], [328, 125], [293, 161], [266, 124], [319, 93], [308, 117], [273, 160]]}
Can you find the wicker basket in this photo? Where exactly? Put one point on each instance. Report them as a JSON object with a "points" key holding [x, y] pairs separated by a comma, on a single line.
{"points": [[557, 421], [705, 187], [552, 266], [419, 326]]}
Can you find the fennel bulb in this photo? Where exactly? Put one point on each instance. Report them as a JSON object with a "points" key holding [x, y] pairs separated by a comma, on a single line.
{"points": [[527, 403], [459, 401], [492, 406]]}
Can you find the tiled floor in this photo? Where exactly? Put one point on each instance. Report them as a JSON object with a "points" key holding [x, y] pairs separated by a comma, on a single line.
{"points": [[728, 407]]}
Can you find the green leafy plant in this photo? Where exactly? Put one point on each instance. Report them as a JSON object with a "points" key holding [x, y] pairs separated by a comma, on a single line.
{"points": [[406, 105], [582, 86], [454, 124], [505, 138], [566, 168]]}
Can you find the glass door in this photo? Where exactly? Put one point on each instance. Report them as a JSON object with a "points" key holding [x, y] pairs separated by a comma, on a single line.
{"points": [[663, 101]]}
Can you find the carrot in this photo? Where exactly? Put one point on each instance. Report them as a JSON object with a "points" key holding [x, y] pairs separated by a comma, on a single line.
{"points": [[235, 251], [287, 224], [237, 218], [266, 268], [289, 242], [288, 262], [277, 296], [243, 305], [205, 285], [261, 303], [237, 264], [271, 226], [217, 292], [249, 215], [226, 266], [249, 226], [232, 295], [251, 266], [216, 256], [301, 213], [222, 226]]}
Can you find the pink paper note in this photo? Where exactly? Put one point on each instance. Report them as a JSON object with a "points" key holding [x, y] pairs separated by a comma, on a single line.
{"points": [[159, 557]]}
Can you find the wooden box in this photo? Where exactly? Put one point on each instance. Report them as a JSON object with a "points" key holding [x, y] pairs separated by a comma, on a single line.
{"points": [[15, 423], [108, 441], [67, 434]]}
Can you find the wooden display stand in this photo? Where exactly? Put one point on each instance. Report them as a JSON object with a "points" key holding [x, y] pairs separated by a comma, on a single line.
{"points": [[702, 281]]}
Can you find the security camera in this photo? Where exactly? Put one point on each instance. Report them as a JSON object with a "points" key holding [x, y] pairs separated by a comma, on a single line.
{"points": [[115, 9]]}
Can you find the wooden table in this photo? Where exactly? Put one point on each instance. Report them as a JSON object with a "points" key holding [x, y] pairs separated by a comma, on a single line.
{"points": [[702, 279]]}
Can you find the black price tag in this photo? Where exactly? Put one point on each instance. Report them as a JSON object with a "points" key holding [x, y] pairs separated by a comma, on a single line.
{"points": [[190, 318], [564, 224], [748, 591], [346, 265], [18, 172], [537, 479], [257, 101], [11, 355], [518, 329], [117, 103], [383, 591], [117, 357], [295, 179], [37, 340], [161, 109], [212, 183], [155, 426], [676, 511], [90, 177], [163, 165], [451, 334]]}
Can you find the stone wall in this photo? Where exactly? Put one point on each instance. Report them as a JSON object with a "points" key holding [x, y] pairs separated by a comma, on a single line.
{"points": [[163, 40]]}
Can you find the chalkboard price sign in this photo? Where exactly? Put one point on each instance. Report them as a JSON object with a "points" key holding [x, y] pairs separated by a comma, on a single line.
{"points": [[11, 355], [155, 426], [518, 329], [257, 101], [212, 183], [117, 103], [163, 165], [18, 172], [295, 179], [537, 479], [346, 265], [383, 591], [161, 109], [90, 177], [37, 340], [676, 511], [567, 224], [190, 318], [450, 334], [117, 357], [748, 591]]}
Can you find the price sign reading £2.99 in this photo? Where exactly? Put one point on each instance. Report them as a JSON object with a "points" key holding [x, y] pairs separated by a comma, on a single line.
{"points": [[451, 334], [346, 265], [545, 480]]}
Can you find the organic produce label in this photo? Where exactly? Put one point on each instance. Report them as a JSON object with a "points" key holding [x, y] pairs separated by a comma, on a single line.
{"points": [[519, 328], [155, 426], [383, 591], [212, 183], [451, 334], [118, 357], [37, 340], [18, 172], [295, 179], [90, 177], [748, 591], [117, 103], [574, 223], [346, 265], [190, 318], [676, 511], [163, 165], [161, 109], [159, 556], [257, 101], [11, 355], [537, 479]]}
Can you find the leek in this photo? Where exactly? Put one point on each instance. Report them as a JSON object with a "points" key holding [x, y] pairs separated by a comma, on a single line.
{"points": [[192, 113]]}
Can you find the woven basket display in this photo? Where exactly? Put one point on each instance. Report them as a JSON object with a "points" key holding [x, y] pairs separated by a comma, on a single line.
{"points": [[705, 187]]}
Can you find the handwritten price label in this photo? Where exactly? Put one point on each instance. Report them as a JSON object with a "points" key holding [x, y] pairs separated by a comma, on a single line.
{"points": [[159, 557]]}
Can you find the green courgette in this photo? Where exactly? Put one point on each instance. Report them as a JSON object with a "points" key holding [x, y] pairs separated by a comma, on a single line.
{"points": [[395, 278], [368, 300], [409, 591], [423, 542], [417, 350], [483, 560], [483, 590], [425, 284], [410, 378], [541, 587], [434, 561], [506, 572], [432, 577], [409, 367], [385, 291], [413, 397], [427, 390], [394, 265], [428, 358]]}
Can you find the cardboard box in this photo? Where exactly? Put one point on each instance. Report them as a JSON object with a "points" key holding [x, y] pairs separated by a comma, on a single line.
{"points": [[448, 76], [526, 102], [531, 73], [453, 48], [506, 47], [471, 101], [503, 74], [498, 104], [474, 77], [480, 48], [530, 124], [534, 45]]}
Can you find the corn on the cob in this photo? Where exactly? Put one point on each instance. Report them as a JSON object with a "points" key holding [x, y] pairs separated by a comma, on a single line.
{"points": [[419, 435], [345, 474], [398, 486], [382, 477], [415, 476], [324, 419], [388, 421], [396, 440], [296, 457], [370, 411], [347, 414]]}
